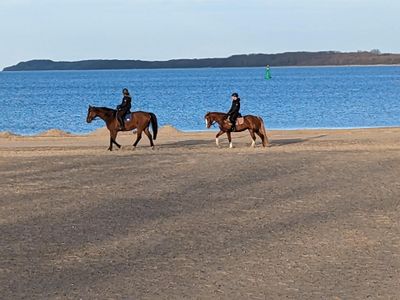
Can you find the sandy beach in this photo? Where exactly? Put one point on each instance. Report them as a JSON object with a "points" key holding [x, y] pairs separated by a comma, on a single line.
{"points": [[314, 216]]}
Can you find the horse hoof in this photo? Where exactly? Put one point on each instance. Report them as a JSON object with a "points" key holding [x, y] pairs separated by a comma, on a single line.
{"points": [[153, 148], [109, 149], [133, 148]]}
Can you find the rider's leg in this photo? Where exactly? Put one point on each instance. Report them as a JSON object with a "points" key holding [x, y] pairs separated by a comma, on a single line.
{"points": [[120, 115], [232, 119]]}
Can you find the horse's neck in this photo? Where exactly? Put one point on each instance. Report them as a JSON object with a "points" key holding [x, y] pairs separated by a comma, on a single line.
{"points": [[106, 115], [219, 118]]}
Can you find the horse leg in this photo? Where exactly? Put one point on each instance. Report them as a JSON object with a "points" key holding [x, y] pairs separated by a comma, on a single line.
{"points": [[147, 132], [118, 145], [139, 137], [217, 136], [111, 144], [229, 139], [253, 137], [263, 138], [113, 136]]}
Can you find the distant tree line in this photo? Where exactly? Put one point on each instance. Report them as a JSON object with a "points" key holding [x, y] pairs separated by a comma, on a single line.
{"points": [[324, 58]]}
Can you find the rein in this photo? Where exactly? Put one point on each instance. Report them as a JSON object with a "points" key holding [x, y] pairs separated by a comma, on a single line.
{"points": [[214, 122]]}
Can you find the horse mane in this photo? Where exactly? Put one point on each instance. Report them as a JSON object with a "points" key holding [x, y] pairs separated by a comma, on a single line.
{"points": [[103, 108], [216, 113]]}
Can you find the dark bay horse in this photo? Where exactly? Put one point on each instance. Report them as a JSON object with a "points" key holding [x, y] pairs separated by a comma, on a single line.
{"points": [[139, 120], [254, 124]]}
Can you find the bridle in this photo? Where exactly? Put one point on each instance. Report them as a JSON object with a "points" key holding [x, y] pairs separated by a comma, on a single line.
{"points": [[212, 123], [95, 116]]}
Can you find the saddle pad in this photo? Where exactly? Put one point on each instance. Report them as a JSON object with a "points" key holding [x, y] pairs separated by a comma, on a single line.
{"points": [[240, 121], [128, 117]]}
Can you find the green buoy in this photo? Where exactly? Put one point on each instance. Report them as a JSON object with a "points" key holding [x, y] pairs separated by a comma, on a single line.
{"points": [[267, 73]]}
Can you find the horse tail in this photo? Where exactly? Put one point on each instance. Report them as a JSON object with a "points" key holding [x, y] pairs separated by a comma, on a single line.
{"points": [[154, 125], [263, 132]]}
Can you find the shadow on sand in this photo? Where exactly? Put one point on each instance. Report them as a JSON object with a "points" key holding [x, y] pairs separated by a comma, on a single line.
{"points": [[273, 142], [283, 142], [188, 143]]}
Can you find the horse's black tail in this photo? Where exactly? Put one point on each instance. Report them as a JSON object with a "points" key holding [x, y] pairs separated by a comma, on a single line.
{"points": [[154, 125], [263, 132]]}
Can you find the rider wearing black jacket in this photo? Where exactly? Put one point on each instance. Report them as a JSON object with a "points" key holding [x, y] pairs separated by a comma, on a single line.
{"points": [[233, 113], [124, 108]]}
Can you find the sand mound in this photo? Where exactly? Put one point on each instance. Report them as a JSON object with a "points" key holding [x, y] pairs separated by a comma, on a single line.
{"points": [[165, 130], [6, 134], [100, 132], [54, 133], [169, 130]]}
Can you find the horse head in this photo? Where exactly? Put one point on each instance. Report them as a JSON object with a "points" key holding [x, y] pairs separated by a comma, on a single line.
{"points": [[91, 114], [208, 119]]}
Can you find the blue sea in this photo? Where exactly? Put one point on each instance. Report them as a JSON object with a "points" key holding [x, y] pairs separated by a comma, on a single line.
{"points": [[299, 97]]}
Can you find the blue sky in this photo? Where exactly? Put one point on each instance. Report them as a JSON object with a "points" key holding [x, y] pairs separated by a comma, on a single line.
{"points": [[161, 29]]}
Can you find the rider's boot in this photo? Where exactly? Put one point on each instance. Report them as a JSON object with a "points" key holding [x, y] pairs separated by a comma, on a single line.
{"points": [[232, 123]]}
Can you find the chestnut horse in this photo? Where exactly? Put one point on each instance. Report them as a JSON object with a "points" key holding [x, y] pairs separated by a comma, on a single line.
{"points": [[254, 124], [139, 120]]}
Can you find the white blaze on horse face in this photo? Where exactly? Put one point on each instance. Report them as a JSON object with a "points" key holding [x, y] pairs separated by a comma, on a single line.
{"points": [[206, 122]]}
